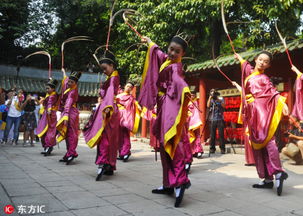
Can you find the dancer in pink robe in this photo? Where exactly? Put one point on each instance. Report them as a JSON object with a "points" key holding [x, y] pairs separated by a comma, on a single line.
{"points": [[103, 129], [68, 124], [194, 127], [297, 110], [249, 155], [46, 129], [262, 110], [129, 120], [153, 142], [163, 85]]}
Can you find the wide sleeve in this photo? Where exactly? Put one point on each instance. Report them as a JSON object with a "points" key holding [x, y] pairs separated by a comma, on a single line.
{"points": [[51, 102], [109, 97], [70, 101], [176, 110], [148, 93]]}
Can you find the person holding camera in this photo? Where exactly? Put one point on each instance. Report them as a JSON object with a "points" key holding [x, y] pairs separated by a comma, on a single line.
{"points": [[29, 120], [216, 107], [15, 106]]}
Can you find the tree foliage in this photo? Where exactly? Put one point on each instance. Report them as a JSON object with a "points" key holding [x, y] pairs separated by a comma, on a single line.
{"points": [[161, 20]]}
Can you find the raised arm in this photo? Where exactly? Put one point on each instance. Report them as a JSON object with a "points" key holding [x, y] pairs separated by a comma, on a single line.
{"points": [[296, 70], [63, 72], [237, 86], [237, 56]]}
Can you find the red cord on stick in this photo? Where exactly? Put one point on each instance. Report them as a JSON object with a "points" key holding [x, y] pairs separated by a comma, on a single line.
{"points": [[134, 30]]}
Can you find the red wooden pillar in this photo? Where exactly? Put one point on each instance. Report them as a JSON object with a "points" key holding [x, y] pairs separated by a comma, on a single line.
{"points": [[202, 106], [134, 91], [143, 128], [290, 98]]}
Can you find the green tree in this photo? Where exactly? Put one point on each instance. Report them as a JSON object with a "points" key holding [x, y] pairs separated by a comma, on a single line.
{"points": [[160, 20], [13, 24]]}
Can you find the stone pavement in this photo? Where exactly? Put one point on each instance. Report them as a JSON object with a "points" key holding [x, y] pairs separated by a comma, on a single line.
{"points": [[221, 185]]}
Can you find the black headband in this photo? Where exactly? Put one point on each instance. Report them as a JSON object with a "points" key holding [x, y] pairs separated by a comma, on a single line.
{"points": [[74, 78], [107, 61], [177, 39], [51, 85]]}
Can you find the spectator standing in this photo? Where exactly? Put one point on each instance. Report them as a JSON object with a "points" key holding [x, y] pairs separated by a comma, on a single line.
{"points": [[30, 121], [15, 106]]}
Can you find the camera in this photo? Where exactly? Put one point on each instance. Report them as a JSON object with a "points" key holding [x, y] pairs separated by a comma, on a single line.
{"points": [[214, 94]]}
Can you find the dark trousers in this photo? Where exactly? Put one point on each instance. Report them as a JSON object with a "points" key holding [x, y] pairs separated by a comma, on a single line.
{"points": [[213, 127]]}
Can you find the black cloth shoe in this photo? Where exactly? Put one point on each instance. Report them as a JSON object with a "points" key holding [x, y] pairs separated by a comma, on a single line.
{"points": [[70, 159], [268, 185], [187, 167], [283, 177], [199, 155], [223, 151], [44, 151], [164, 190], [64, 159], [125, 157], [180, 197], [48, 151], [100, 172]]}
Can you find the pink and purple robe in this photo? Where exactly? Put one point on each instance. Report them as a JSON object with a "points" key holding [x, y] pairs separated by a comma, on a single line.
{"points": [[129, 121], [151, 116], [194, 127], [249, 155], [298, 105], [163, 85], [69, 113], [103, 129], [46, 128], [262, 110]]}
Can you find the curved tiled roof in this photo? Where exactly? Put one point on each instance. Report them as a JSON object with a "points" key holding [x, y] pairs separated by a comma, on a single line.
{"points": [[248, 55], [38, 85]]}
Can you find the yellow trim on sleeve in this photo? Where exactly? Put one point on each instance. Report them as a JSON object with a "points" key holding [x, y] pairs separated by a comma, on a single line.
{"points": [[299, 75], [61, 120], [137, 118], [146, 64], [196, 126], [273, 124], [240, 117], [176, 130], [93, 141], [61, 128], [43, 132], [192, 136]]}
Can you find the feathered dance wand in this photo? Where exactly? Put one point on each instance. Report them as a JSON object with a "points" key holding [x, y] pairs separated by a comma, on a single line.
{"points": [[96, 52], [225, 27], [76, 38], [110, 24], [284, 44], [126, 17], [217, 66], [127, 13], [49, 60]]}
